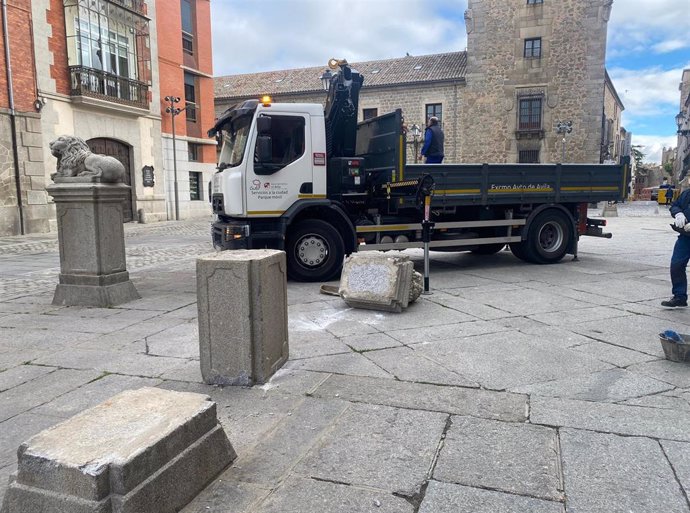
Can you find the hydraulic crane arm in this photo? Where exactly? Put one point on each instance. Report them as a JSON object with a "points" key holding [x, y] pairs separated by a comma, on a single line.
{"points": [[341, 109]]}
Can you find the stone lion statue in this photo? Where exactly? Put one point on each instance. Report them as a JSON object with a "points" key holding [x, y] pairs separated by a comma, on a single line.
{"points": [[74, 158]]}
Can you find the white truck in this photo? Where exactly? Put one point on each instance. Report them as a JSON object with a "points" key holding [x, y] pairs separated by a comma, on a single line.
{"points": [[318, 185]]}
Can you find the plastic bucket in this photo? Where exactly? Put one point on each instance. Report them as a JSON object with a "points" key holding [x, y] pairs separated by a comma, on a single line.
{"points": [[674, 351]]}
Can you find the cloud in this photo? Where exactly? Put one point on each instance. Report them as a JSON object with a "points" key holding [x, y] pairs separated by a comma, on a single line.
{"points": [[651, 145], [647, 93], [263, 35], [659, 25]]}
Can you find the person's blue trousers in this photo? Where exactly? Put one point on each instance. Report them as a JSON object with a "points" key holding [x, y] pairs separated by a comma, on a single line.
{"points": [[679, 262], [434, 159]]}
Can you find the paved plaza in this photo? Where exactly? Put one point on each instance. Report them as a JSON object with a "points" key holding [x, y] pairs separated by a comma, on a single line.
{"points": [[512, 388]]}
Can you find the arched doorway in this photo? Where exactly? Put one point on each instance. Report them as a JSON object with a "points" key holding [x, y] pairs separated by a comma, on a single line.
{"points": [[120, 151]]}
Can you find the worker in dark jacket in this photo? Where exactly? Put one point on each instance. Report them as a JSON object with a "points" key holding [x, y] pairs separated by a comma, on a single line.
{"points": [[433, 142], [680, 210]]}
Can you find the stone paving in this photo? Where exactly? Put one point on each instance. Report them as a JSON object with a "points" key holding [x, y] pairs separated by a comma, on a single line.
{"points": [[512, 388]]}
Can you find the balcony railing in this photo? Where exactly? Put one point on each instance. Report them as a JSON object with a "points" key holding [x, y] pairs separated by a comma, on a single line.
{"points": [[133, 5], [95, 83]]}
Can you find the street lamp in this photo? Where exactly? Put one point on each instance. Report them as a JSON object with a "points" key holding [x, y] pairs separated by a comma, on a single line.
{"points": [[680, 121], [416, 133], [563, 127], [174, 111], [326, 79]]}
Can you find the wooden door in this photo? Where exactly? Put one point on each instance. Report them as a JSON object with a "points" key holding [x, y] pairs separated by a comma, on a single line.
{"points": [[121, 152]]}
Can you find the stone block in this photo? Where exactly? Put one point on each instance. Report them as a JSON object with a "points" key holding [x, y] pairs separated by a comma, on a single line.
{"points": [[242, 304], [142, 450], [377, 281]]}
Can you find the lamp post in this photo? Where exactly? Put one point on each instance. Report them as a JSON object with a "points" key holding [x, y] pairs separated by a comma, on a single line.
{"points": [[563, 127], [325, 78], [416, 132], [174, 111]]}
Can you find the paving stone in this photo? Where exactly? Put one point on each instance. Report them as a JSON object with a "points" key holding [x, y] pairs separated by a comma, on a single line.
{"points": [[678, 455], [92, 394], [461, 401], [117, 362], [450, 331], [613, 354], [189, 371], [580, 316], [452, 498], [311, 343], [181, 341], [551, 336], [352, 364], [613, 474], [639, 332], [41, 339], [42, 390], [370, 342], [667, 371], [299, 495], [377, 446], [528, 302], [628, 290], [15, 431], [406, 364], [667, 401], [466, 309], [611, 418], [572, 293], [606, 386], [223, 494], [528, 456], [272, 459], [21, 374], [508, 359]]}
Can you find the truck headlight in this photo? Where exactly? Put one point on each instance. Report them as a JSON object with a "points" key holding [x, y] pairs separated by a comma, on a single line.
{"points": [[234, 232]]}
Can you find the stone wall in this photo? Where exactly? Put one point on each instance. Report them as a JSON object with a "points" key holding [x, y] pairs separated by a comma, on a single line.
{"points": [[611, 143], [569, 77]]}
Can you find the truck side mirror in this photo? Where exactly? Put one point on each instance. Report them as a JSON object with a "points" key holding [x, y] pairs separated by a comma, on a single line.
{"points": [[264, 149], [263, 124]]}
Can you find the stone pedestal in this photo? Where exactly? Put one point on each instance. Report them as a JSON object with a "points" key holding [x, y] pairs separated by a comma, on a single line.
{"points": [[148, 450], [93, 270], [242, 302]]}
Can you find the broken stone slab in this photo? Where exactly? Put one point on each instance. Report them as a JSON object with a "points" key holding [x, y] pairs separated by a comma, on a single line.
{"points": [[147, 450], [242, 303], [377, 281]]}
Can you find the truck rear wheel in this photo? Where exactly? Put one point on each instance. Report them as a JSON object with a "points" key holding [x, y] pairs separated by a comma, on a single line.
{"points": [[548, 238], [314, 251]]}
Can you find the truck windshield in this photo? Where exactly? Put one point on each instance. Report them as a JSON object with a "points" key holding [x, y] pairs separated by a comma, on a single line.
{"points": [[234, 142]]}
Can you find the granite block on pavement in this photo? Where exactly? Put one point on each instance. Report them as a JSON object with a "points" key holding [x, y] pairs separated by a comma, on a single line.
{"points": [[243, 327], [147, 450]]}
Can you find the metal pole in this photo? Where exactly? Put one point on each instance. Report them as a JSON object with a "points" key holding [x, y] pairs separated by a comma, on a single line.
{"points": [[177, 198], [426, 237], [416, 149], [563, 150]]}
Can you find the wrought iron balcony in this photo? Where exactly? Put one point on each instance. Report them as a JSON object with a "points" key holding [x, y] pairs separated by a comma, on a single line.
{"points": [[138, 6], [99, 84]]}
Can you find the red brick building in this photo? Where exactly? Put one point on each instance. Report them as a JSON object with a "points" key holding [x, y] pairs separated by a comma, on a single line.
{"points": [[92, 68], [186, 72]]}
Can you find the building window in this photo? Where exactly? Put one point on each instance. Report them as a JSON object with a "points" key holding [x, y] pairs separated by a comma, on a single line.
{"points": [[533, 48], [369, 113], [287, 137], [434, 109], [108, 50], [188, 31], [534, 2], [194, 186], [528, 157], [190, 96], [194, 151], [529, 115]]}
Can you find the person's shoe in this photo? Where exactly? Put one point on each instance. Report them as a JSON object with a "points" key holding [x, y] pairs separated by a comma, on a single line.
{"points": [[674, 302]]}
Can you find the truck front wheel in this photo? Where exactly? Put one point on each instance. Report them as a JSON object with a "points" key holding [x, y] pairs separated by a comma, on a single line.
{"points": [[548, 238], [314, 251]]}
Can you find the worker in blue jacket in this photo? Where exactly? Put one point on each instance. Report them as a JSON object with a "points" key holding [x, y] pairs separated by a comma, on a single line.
{"points": [[680, 210], [433, 142]]}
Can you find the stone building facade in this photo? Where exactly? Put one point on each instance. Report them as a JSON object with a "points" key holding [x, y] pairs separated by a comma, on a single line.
{"points": [[681, 165], [612, 133], [91, 68], [529, 64]]}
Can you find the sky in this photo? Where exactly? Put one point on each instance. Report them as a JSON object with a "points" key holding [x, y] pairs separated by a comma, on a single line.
{"points": [[648, 45]]}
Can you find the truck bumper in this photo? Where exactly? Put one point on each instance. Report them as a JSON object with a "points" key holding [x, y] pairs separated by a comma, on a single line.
{"points": [[230, 235]]}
